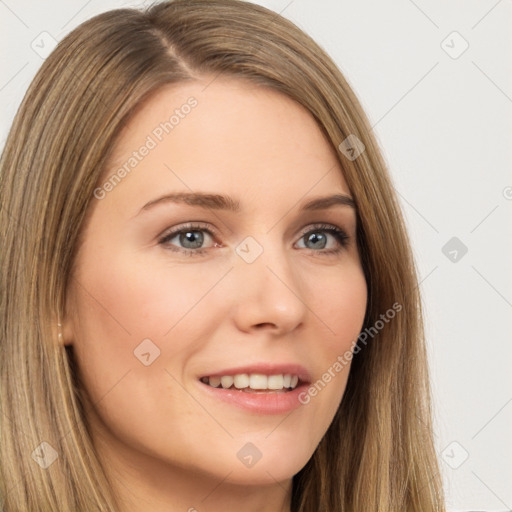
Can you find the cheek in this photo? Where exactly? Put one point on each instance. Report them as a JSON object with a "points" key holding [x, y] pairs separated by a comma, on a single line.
{"points": [[125, 301], [123, 311], [134, 299], [338, 300]]}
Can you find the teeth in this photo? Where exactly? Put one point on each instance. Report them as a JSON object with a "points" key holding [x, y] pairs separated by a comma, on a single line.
{"points": [[275, 382], [215, 382], [254, 381], [258, 381], [227, 381], [241, 381]]}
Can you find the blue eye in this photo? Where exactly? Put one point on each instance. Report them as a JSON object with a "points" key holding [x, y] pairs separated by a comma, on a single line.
{"points": [[311, 236], [191, 238]]}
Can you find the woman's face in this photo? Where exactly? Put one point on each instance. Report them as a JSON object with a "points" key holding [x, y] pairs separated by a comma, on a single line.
{"points": [[262, 296]]}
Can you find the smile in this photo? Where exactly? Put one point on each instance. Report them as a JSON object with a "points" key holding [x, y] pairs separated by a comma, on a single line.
{"points": [[254, 382]]}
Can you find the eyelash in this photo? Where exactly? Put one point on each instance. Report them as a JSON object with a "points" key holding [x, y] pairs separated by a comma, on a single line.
{"points": [[340, 235]]}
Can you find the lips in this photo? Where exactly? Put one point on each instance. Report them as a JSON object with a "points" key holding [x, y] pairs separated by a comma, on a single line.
{"points": [[263, 377], [255, 394]]}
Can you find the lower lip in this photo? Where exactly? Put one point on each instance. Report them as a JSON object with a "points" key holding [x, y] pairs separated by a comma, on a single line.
{"points": [[260, 402]]}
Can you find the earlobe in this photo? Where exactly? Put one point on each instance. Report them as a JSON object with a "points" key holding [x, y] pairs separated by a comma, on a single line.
{"points": [[64, 332]]}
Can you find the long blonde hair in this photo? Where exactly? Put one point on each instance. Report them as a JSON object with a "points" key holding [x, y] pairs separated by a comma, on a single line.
{"points": [[378, 453]]}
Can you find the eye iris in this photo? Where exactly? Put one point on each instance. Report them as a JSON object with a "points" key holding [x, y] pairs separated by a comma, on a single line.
{"points": [[314, 238], [195, 237]]}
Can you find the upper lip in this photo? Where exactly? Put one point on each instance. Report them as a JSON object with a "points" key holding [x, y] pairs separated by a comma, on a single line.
{"points": [[265, 369]]}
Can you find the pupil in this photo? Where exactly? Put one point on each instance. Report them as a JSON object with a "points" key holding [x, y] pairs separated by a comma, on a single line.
{"points": [[314, 237], [195, 237]]}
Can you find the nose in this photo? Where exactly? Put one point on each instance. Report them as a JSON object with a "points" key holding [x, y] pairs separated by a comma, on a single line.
{"points": [[267, 292]]}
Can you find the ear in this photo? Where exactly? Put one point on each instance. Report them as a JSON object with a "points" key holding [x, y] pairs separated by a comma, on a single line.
{"points": [[64, 332], [64, 328]]}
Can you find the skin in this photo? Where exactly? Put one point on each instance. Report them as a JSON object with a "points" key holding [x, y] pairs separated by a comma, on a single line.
{"points": [[166, 444]]}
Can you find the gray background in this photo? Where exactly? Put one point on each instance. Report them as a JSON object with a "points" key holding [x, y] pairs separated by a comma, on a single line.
{"points": [[442, 116]]}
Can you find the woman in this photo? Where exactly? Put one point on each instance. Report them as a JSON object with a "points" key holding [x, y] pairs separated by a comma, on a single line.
{"points": [[140, 372]]}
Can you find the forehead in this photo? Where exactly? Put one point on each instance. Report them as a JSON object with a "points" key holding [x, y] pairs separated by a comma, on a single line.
{"points": [[227, 134]]}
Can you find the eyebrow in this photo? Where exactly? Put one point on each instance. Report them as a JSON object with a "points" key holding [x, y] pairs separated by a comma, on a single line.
{"points": [[221, 202]]}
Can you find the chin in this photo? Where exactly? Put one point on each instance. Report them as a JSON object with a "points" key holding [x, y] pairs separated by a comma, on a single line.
{"points": [[262, 474], [276, 462], [242, 463]]}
